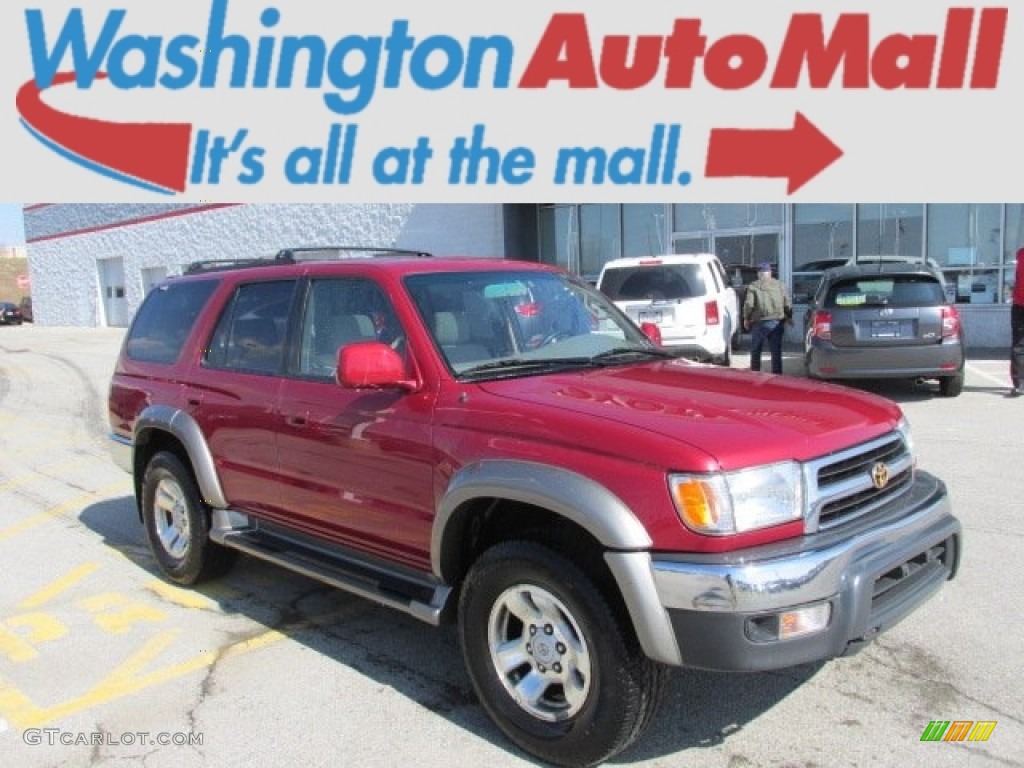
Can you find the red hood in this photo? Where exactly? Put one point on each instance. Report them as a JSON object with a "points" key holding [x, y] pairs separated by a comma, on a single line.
{"points": [[738, 418]]}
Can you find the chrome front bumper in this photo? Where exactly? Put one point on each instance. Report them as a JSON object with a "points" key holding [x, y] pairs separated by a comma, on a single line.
{"points": [[873, 575]]}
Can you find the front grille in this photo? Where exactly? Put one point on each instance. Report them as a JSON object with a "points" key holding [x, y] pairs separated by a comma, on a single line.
{"points": [[841, 488], [846, 468], [851, 506]]}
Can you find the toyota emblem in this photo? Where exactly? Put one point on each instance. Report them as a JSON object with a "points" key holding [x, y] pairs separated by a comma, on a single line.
{"points": [[880, 475]]}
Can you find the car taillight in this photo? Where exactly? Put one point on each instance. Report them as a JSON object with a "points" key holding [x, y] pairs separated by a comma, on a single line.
{"points": [[652, 332], [711, 313], [950, 322], [822, 325], [529, 309]]}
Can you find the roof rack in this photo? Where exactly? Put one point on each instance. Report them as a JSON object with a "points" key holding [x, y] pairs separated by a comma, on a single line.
{"points": [[305, 253], [339, 252], [218, 265]]}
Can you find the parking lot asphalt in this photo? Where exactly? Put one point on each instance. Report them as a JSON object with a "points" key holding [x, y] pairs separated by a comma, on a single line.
{"points": [[103, 663]]}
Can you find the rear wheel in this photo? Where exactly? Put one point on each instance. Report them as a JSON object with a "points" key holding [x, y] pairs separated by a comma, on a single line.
{"points": [[807, 365], [549, 658], [178, 524], [951, 386], [726, 358]]}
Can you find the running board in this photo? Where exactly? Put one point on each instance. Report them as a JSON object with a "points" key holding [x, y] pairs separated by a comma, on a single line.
{"points": [[420, 598]]}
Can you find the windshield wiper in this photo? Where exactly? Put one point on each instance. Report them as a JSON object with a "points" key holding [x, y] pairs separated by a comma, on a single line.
{"points": [[617, 354], [523, 363], [625, 352]]}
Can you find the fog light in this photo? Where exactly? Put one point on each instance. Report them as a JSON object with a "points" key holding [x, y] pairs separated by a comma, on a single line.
{"points": [[804, 621], [786, 626]]}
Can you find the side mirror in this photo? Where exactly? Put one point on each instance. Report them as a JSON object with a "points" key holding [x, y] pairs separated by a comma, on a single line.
{"points": [[652, 332], [372, 364]]}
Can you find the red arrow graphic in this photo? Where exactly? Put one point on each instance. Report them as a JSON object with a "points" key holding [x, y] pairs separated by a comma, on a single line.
{"points": [[799, 153], [156, 153]]}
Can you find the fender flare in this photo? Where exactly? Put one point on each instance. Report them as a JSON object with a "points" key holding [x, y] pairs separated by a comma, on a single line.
{"points": [[568, 494], [182, 426], [592, 507]]}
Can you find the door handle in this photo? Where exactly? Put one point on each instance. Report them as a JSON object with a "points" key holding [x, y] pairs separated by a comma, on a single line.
{"points": [[295, 420]]}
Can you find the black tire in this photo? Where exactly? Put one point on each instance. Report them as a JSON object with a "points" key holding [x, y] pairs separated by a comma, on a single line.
{"points": [[951, 386], [726, 359], [581, 640], [178, 523]]}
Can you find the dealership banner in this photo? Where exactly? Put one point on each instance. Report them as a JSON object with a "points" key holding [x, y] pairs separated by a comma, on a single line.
{"points": [[526, 101]]}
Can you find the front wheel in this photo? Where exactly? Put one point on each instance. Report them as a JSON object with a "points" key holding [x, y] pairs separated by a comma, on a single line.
{"points": [[549, 658], [177, 523]]}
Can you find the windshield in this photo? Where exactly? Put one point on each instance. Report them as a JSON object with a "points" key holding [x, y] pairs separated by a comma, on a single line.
{"points": [[500, 321]]}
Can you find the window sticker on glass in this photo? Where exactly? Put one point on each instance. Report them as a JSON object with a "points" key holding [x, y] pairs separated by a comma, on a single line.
{"points": [[505, 290], [850, 299]]}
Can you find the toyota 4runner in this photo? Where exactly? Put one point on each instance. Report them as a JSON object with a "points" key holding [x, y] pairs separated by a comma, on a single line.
{"points": [[495, 443]]}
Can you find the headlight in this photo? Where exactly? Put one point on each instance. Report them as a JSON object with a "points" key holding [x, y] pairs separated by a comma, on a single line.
{"points": [[904, 429], [908, 440], [734, 502]]}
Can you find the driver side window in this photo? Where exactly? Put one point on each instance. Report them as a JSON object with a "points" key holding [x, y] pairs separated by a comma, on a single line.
{"points": [[343, 311]]}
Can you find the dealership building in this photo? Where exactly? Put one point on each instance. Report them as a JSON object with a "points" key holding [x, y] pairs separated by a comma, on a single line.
{"points": [[91, 264]]}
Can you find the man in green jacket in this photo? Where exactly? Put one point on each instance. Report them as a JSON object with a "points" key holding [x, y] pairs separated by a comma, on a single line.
{"points": [[766, 310]]}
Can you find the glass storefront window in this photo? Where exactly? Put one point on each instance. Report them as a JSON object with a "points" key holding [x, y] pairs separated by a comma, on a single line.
{"points": [[600, 237], [698, 217], [740, 234], [1013, 242], [691, 244], [644, 229], [823, 237], [964, 240], [558, 235], [822, 232], [974, 244], [890, 229]]}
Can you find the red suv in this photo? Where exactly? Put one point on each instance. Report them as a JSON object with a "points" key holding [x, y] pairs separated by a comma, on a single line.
{"points": [[589, 509]]}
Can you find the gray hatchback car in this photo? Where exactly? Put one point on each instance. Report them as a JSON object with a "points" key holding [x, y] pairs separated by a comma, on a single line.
{"points": [[884, 321]]}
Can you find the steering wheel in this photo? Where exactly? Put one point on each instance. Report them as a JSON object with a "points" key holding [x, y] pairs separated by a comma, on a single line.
{"points": [[554, 338]]}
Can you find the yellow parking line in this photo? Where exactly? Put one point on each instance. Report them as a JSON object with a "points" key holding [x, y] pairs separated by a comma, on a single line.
{"points": [[186, 598], [38, 426], [35, 474], [44, 438], [129, 669], [62, 584], [23, 713], [30, 522]]}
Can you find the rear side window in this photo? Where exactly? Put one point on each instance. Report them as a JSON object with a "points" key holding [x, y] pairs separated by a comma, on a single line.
{"points": [[164, 320], [666, 281], [889, 291], [251, 333]]}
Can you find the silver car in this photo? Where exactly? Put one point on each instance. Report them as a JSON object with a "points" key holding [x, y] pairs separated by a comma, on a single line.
{"points": [[884, 321]]}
